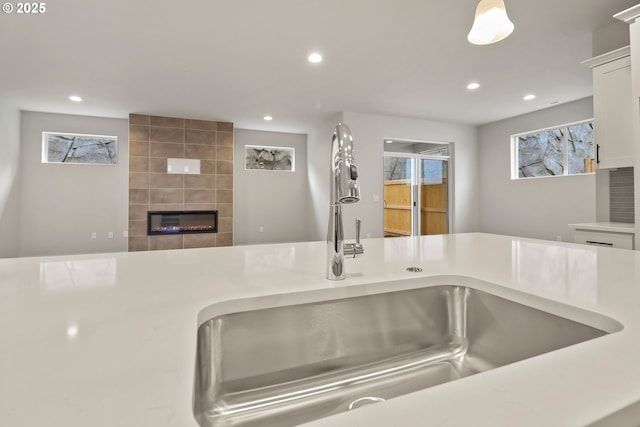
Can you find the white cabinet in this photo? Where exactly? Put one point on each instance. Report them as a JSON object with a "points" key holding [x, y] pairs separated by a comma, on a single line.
{"points": [[605, 234], [605, 239], [613, 109], [632, 17]]}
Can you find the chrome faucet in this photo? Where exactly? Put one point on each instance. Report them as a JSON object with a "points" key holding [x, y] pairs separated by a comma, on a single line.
{"points": [[344, 189]]}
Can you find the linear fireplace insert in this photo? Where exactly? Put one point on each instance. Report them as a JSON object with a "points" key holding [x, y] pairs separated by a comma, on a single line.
{"points": [[182, 222]]}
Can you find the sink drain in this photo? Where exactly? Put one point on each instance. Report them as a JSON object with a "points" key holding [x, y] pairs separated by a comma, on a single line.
{"points": [[414, 269], [365, 401]]}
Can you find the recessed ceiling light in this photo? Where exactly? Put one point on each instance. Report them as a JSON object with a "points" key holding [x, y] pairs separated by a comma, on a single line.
{"points": [[388, 141], [72, 331], [473, 86], [315, 58], [75, 98], [268, 118], [529, 97]]}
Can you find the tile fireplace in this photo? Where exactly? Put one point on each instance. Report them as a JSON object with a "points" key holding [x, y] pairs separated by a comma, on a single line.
{"points": [[154, 143]]}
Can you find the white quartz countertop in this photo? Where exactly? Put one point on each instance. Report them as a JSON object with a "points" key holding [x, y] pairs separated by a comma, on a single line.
{"points": [[109, 340], [612, 227]]}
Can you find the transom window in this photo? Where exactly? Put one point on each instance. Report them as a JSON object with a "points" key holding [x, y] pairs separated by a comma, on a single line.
{"points": [[558, 151]]}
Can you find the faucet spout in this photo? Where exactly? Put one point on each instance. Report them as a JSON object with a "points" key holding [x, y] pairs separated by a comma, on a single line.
{"points": [[344, 174], [344, 189]]}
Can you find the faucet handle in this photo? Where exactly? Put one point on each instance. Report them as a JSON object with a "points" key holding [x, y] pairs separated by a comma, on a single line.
{"points": [[354, 249], [357, 247]]}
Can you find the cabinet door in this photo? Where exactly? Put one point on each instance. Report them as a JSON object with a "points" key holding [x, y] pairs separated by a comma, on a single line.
{"points": [[613, 115]]}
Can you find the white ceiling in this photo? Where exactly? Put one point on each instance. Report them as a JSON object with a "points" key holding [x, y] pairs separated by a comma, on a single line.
{"points": [[237, 60]]}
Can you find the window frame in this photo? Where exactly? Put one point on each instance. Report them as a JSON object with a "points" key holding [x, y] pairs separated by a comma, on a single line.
{"points": [[45, 148], [290, 150], [565, 152]]}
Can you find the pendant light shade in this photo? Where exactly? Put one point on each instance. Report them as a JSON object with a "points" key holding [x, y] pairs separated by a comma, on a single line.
{"points": [[491, 23]]}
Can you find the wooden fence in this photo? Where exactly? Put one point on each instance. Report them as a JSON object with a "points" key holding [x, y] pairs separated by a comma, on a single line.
{"points": [[397, 208]]}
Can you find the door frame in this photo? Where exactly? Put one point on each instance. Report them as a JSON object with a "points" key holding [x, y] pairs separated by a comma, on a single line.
{"points": [[415, 228]]}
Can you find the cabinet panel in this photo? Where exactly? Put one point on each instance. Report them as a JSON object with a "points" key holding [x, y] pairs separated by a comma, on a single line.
{"points": [[600, 238], [613, 115]]}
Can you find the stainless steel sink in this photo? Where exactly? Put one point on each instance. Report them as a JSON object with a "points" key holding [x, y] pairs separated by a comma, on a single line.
{"points": [[288, 365]]}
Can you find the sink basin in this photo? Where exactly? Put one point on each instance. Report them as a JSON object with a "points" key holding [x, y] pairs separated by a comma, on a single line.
{"points": [[288, 365]]}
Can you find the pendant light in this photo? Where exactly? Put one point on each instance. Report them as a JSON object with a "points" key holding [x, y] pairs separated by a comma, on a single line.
{"points": [[491, 23]]}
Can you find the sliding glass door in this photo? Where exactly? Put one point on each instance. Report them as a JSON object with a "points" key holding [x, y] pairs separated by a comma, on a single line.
{"points": [[433, 196], [416, 194], [398, 196]]}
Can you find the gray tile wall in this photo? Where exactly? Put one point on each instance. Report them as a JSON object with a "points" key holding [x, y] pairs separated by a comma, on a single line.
{"points": [[621, 204], [152, 140]]}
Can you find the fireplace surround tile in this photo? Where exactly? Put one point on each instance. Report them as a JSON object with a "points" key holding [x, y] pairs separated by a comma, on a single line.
{"points": [[165, 207], [158, 164], [164, 180], [199, 240], [138, 228], [139, 119], [224, 182], [224, 196], [137, 244], [153, 139], [224, 153], [202, 152], [225, 139], [200, 137], [166, 195], [166, 149], [165, 242], [138, 133], [199, 196], [225, 127], [225, 210], [201, 124], [200, 181], [225, 225], [224, 239], [201, 207], [139, 163], [224, 167], [207, 167], [138, 180], [161, 134], [139, 149], [138, 212], [174, 122], [138, 196]]}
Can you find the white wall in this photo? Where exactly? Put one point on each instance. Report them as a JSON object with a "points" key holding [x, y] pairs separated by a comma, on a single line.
{"points": [[368, 132], [62, 204], [274, 200], [538, 207], [9, 164], [608, 38], [86, 199]]}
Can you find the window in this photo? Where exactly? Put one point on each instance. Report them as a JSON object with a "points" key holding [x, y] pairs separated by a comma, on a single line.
{"points": [[559, 151], [79, 148], [269, 158]]}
